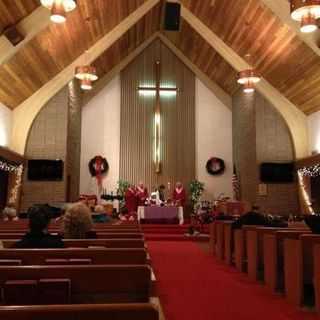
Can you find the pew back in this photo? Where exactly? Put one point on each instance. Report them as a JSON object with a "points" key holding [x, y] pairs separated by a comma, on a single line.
{"points": [[90, 283], [138, 311], [94, 255], [86, 243]]}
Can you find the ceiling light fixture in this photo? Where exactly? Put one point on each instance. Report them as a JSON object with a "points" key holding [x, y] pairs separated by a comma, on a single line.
{"points": [[59, 8], [306, 12], [248, 78], [86, 75]]}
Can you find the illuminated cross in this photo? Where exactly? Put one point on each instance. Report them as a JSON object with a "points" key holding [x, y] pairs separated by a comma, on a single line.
{"points": [[159, 91]]}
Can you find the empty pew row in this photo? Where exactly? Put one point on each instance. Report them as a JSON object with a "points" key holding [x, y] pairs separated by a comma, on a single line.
{"points": [[138, 311], [32, 285], [101, 235], [301, 270], [98, 230], [73, 256], [90, 243]]}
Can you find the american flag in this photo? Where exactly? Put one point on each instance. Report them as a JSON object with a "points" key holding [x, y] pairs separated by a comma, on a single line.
{"points": [[235, 185]]}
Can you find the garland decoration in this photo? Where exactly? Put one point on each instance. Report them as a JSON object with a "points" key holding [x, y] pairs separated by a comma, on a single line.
{"points": [[313, 171], [215, 166], [7, 166], [13, 198]]}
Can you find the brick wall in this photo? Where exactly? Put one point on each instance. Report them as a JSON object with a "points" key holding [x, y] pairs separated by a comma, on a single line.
{"points": [[47, 140], [260, 134]]}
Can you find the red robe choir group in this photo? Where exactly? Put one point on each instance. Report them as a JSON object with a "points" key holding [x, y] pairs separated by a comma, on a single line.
{"points": [[136, 196]]}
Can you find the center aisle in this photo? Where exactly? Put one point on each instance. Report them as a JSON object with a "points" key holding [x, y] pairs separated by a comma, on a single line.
{"points": [[193, 285]]}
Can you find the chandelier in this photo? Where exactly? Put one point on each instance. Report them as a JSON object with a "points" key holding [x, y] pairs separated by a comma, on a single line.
{"points": [[86, 74], [306, 12], [248, 78], [59, 8]]}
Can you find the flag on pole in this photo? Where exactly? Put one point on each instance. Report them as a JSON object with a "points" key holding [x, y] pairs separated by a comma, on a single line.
{"points": [[235, 185]]}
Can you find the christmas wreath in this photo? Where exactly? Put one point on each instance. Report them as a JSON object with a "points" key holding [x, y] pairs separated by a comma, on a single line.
{"points": [[98, 166], [215, 166]]}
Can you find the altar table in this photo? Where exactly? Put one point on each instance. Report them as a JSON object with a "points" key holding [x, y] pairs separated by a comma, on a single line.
{"points": [[158, 212]]}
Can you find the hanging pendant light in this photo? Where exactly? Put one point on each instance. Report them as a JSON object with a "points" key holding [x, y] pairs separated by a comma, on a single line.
{"points": [[306, 12], [59, 9], [86, 74], [248, 78]]}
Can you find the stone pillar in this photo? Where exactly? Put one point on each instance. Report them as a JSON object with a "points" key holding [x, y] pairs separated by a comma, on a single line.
{"points": [[73, 141]]}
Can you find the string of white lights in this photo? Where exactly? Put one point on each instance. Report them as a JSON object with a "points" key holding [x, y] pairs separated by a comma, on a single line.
{"points": [[313, 171], [5, 166]]}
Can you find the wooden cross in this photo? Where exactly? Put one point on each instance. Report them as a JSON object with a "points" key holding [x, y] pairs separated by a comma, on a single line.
{"points": [[158, 90]]}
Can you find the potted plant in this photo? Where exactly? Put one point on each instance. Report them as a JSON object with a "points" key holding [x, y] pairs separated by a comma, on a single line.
{"points": [[196, 189]]}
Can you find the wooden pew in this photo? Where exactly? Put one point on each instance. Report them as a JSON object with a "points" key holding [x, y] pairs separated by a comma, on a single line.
{"points": [[90, 283], [239, 250], [228, 242], [298, 267], [94, 255], [254, 248], [220, 238], [212, 234], [99, 235], [273, 256], [132, 311], [86, 243], [316, 255]]}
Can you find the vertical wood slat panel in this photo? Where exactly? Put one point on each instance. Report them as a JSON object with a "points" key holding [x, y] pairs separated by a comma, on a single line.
{"points": [[177, 120]]}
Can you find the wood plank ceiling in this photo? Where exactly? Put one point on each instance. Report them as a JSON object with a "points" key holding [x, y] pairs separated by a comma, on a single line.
{"points": [[14, 11], [58, 45], [277, 52], [247, 26]]}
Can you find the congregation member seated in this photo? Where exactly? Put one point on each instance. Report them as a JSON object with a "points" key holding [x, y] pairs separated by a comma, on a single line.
{"points": [[9, 213], [77, 223], [313, 222], [38, 236], [252, 217], [99, 215]]}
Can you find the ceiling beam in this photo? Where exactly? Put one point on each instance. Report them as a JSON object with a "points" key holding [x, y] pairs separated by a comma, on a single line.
{"points": [[295, 118], [25, 113], [101, 83], [281, 8], [28, 27], [223, 96]]}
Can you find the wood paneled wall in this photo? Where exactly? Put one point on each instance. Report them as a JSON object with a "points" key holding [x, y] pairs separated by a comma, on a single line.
{"points": [[177, 120]]}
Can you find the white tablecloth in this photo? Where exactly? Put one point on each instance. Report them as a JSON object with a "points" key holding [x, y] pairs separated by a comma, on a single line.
{"points": [[141, 214]]}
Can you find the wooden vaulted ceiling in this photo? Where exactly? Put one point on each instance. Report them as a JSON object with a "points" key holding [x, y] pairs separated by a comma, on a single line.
{"points": [[247, 26], [13, 11]]}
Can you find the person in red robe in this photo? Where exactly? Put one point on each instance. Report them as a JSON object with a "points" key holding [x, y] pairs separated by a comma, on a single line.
{"points": [[142, 194], [131, 200], [179, 196]]}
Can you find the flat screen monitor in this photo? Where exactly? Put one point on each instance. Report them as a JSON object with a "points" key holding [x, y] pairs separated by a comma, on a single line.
{"points": [[45, 170], [277, 172]]}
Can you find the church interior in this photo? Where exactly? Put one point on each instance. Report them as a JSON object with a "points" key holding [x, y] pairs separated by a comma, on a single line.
{"points": [[159, 159]]}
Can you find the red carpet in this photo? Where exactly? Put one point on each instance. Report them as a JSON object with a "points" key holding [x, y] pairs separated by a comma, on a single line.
{"points": [[192, 285]]}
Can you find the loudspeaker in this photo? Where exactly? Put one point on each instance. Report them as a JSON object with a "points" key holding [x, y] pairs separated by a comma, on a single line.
{"points": [[172, 16]]}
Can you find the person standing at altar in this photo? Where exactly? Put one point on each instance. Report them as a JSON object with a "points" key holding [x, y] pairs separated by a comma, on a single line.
{"points": [[142, 194], [131, 200], [179, 196]]}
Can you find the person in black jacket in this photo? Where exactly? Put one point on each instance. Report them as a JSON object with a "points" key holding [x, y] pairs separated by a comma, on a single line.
{"points": [[38, 235], [253, 217]]}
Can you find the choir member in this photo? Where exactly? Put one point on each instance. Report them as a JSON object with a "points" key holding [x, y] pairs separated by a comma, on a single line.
{"points": [[131, 199], [142, 194], [179, 196]]}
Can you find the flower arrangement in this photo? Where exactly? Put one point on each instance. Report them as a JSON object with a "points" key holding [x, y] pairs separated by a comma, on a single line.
{"points": [[196, 189]]}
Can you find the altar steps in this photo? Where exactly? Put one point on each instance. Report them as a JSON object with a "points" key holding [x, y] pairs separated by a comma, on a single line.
{"points": [[163, 232]]}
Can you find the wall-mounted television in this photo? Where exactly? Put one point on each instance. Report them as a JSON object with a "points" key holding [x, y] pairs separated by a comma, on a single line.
{"points": [[277, 172], [45, 170]]}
